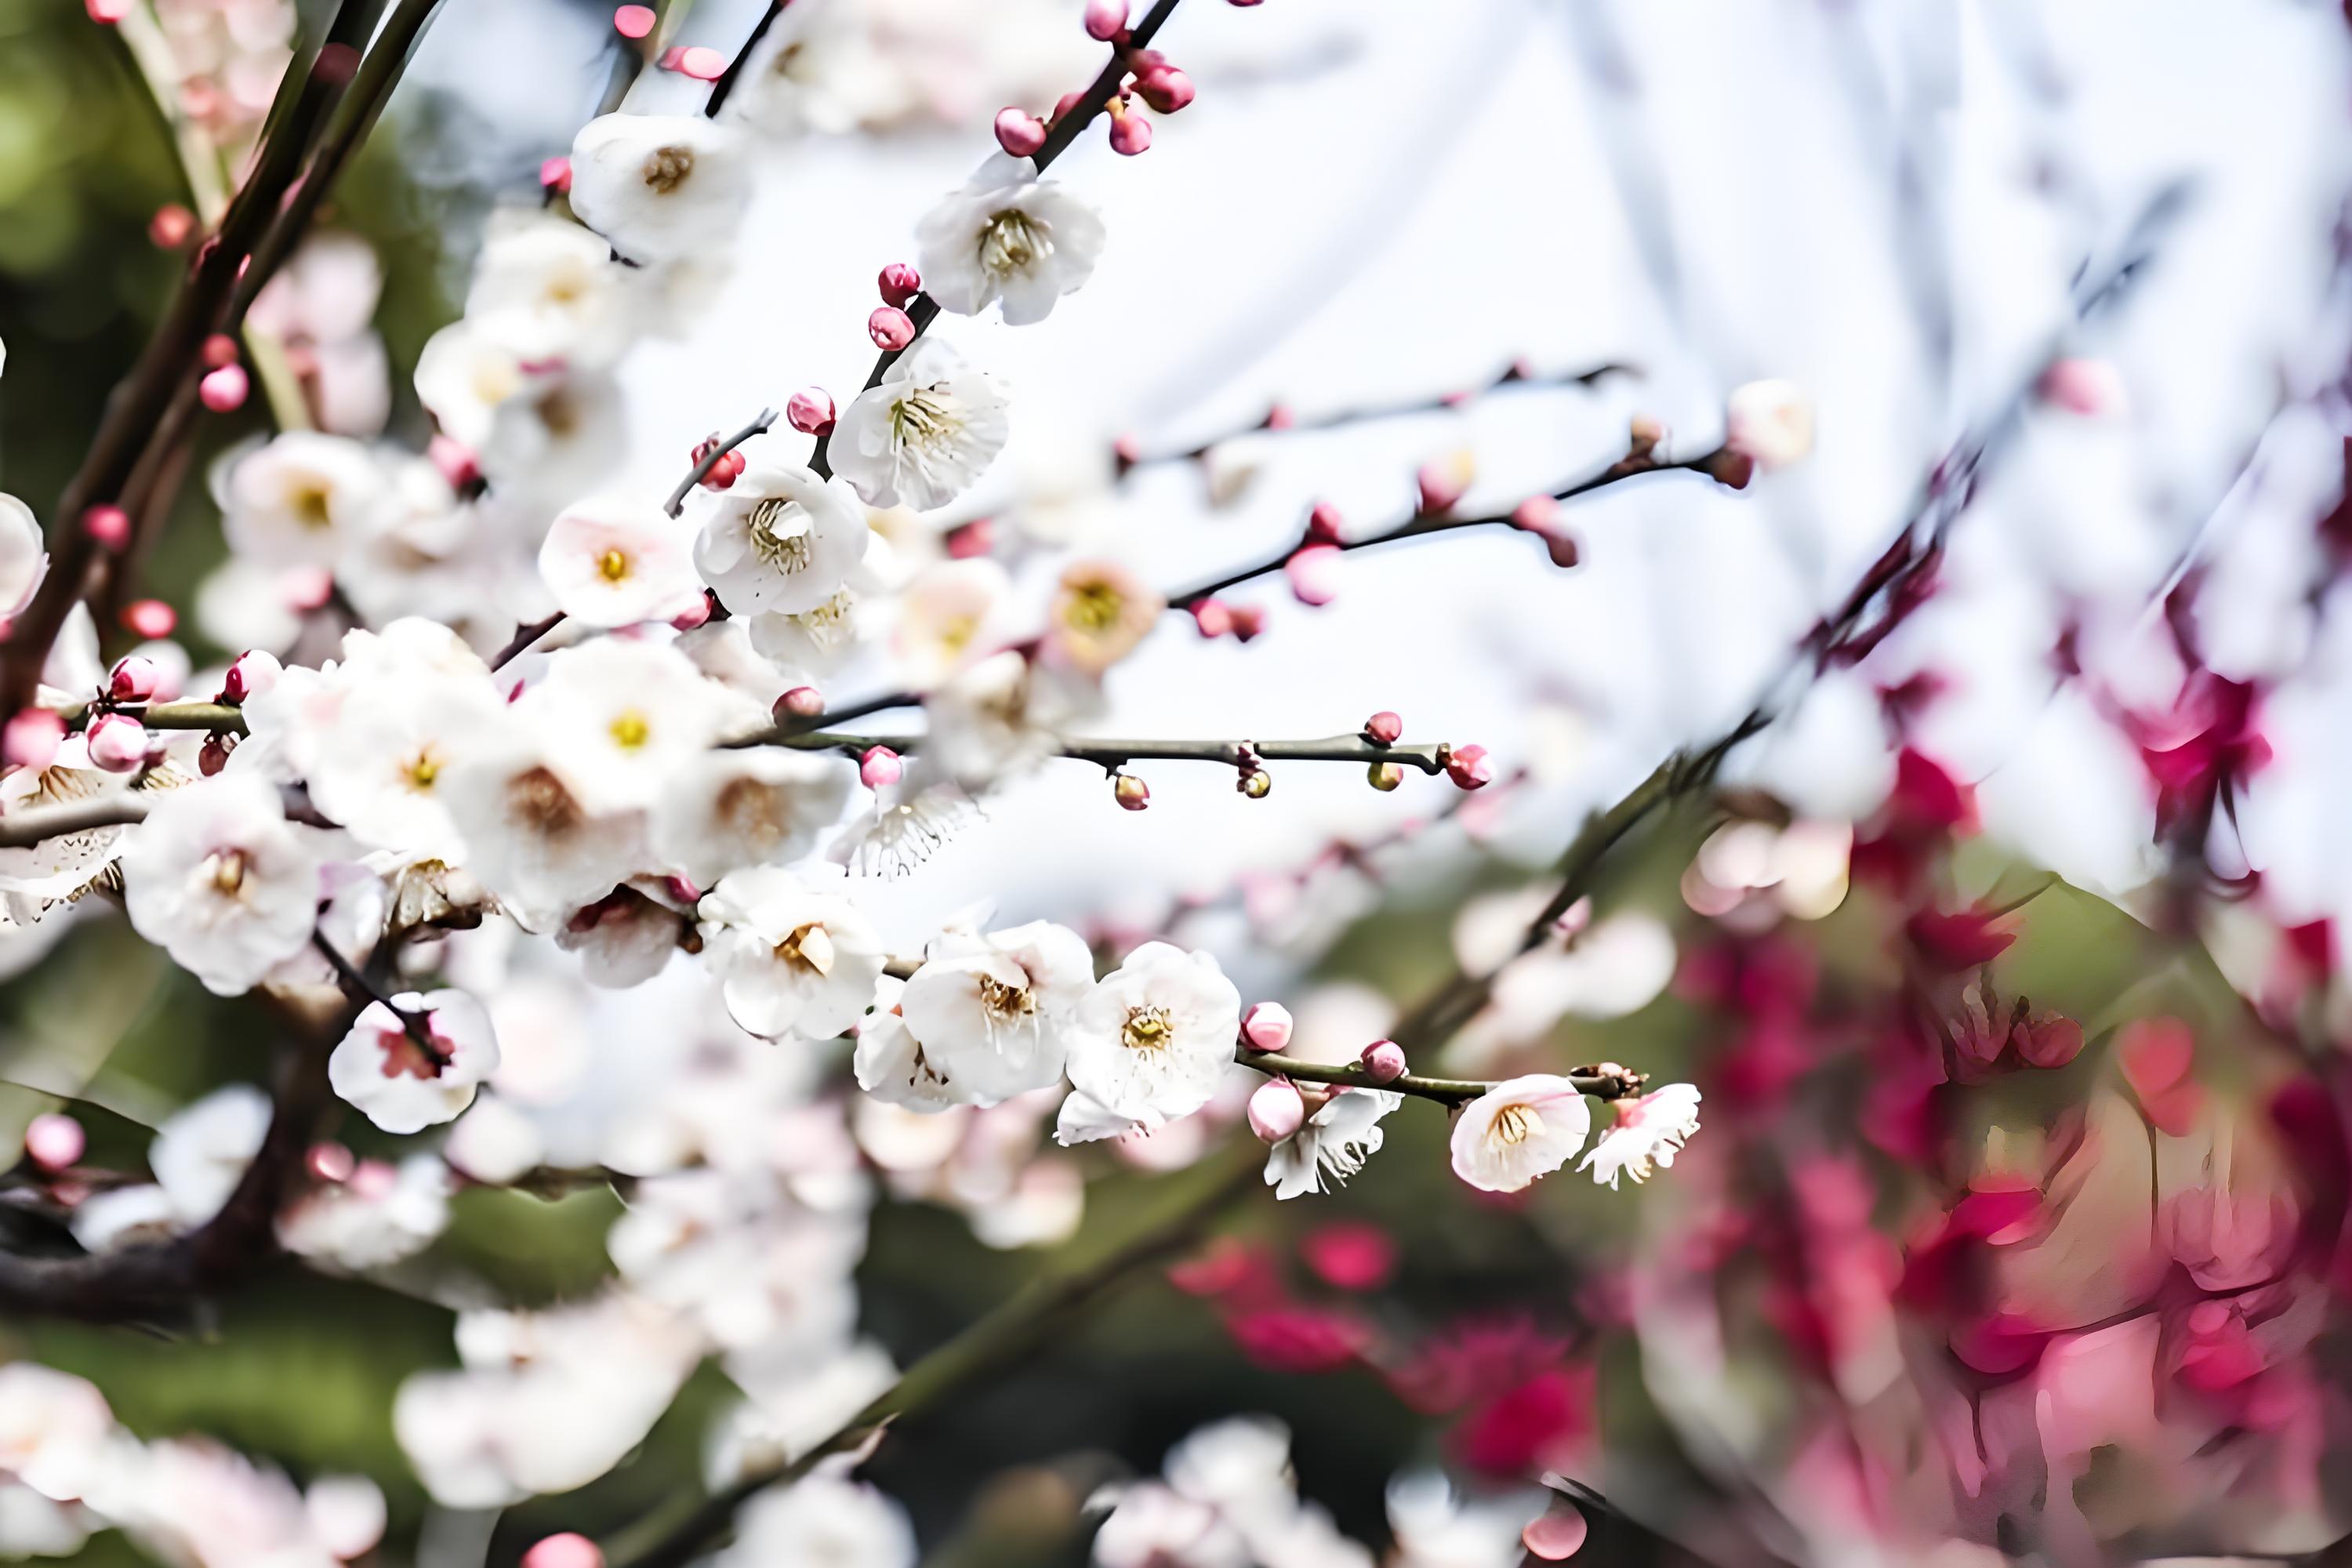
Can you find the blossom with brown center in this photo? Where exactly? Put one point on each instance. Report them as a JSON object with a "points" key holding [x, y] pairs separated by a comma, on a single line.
{"points": [[1100, 614]]}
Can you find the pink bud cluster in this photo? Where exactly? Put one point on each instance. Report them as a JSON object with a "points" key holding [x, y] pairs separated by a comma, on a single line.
{"points": [[725, 469], [1215, 618], [1151, 77]]}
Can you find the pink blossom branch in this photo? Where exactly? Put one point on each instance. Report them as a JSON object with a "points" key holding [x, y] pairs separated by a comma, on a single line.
{"points": [[1429, 757], [1605, 1081]]}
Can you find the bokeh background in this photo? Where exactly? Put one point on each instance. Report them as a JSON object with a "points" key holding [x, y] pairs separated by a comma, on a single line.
{"points": [[1377, 201]]}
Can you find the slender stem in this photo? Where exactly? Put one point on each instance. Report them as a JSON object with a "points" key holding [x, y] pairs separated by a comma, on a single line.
{"points": [[1429, 757], [1280, 422], [725, 86], [1602, 1082], [37, 823], [363, 991], [524, 637], [1005, 1337]]}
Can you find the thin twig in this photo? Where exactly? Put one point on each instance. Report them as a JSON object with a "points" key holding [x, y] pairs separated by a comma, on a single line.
{"points": [[708, 460], [1605, 1082], [1429, 757], [725, 86]]}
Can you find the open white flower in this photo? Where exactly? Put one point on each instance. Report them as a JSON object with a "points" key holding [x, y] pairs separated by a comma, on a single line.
{"points": [[781, 541], [54, 1430], [812, 644], [624, 718], [1651, 1131], [1154, 1037], [61, 868], [549, 293], [659, 185], [530, 838], [202, 1150], [923, 436], [1521, 1128], [893, 1067], [1771, 422], [404, 1084], [791, 959], [304, 498], [753, 805], [1343, 1133], [611, 561], [463, 377], [992, 1013], [1007, 235], [821, 1519], [380, 1216], [381, 772], [219, 880], [24, 560], [952, 615]]}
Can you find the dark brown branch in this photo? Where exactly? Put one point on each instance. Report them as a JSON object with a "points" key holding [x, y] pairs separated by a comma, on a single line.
{"points": [[1602, 1082], [1429, 757], [724, 88]]}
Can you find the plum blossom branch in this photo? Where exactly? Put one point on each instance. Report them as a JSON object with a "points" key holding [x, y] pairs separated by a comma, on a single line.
{"points": [[1604, 1081], [724, 87], [711, 458], [363, 991], [1428, 757], [1005, 1337]]}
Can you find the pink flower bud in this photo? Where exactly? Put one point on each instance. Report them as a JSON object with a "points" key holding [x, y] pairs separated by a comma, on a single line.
{"points": [[1561, 547], [1244, 4], [556, 174], [1212, 618], [1311, 571], [149, 618], [1323, 523], [170, 227], [687, 620], [1732, 470], [2086, 386], [702, 63], [134, 679], [1165, 88], [213, 756], [800, 702], [331, 1162], [107, 11], [634, 21], [1248, 621], [1127, 451], [31, 737], [109, 525], [1067, 102], [1468, 767], [1130, 133], [455, 459], [899, 283], [1105, 19], [890, 328], [1557, 1534], [1383, 1061], [117, 743], [1442, 484], [219, 349], [971, 540], [1131, 793], [1383, 727], [1536, 514], [54, 1141], [252, 673], [1019, 132], [1277, 1111], [1266, 1026], [879, 767], [568, 1549], [223, 391], [810, 411]]}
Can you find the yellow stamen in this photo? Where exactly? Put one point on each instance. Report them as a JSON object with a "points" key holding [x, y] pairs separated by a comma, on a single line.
{"points": [[1148, 1029], [1514, 1125], [614, 565], [630, 730]]}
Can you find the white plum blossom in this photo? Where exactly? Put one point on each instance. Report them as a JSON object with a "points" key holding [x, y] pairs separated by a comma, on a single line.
{"points": [[923, 436], [627, 938], [305, 497], [892, 1067], [378, 1215], [24, 555], [463, 377], [951, 616], [993, 1014], [792, 958], [549, 294], [1332, 1144], [747, 806], [781, 541], [530, 838], [1007, 235], [1154, 1037], [1771, 422], [821, 1519], [1651, 1131], [611, 562], [200, 1151], [402, 1083], [659, 185], [54, 1430], [219, 880], [382, 775], [623, 717], [1520, 1129], [34, 876]]}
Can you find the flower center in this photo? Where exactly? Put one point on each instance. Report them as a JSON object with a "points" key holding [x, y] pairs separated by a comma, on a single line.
{"points": [[1147, 1029], [558, 413], [308, 502], [614, 565], [540, 802], [1094, 608], [828, 626], [1514, 1125], [1008, 1002], [926, 416], [225, 870], [1014, 242], [780, 534], [667, 168], [808, 950], [753, 809], [630, 730], [422, 769], [402, 1057]]}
